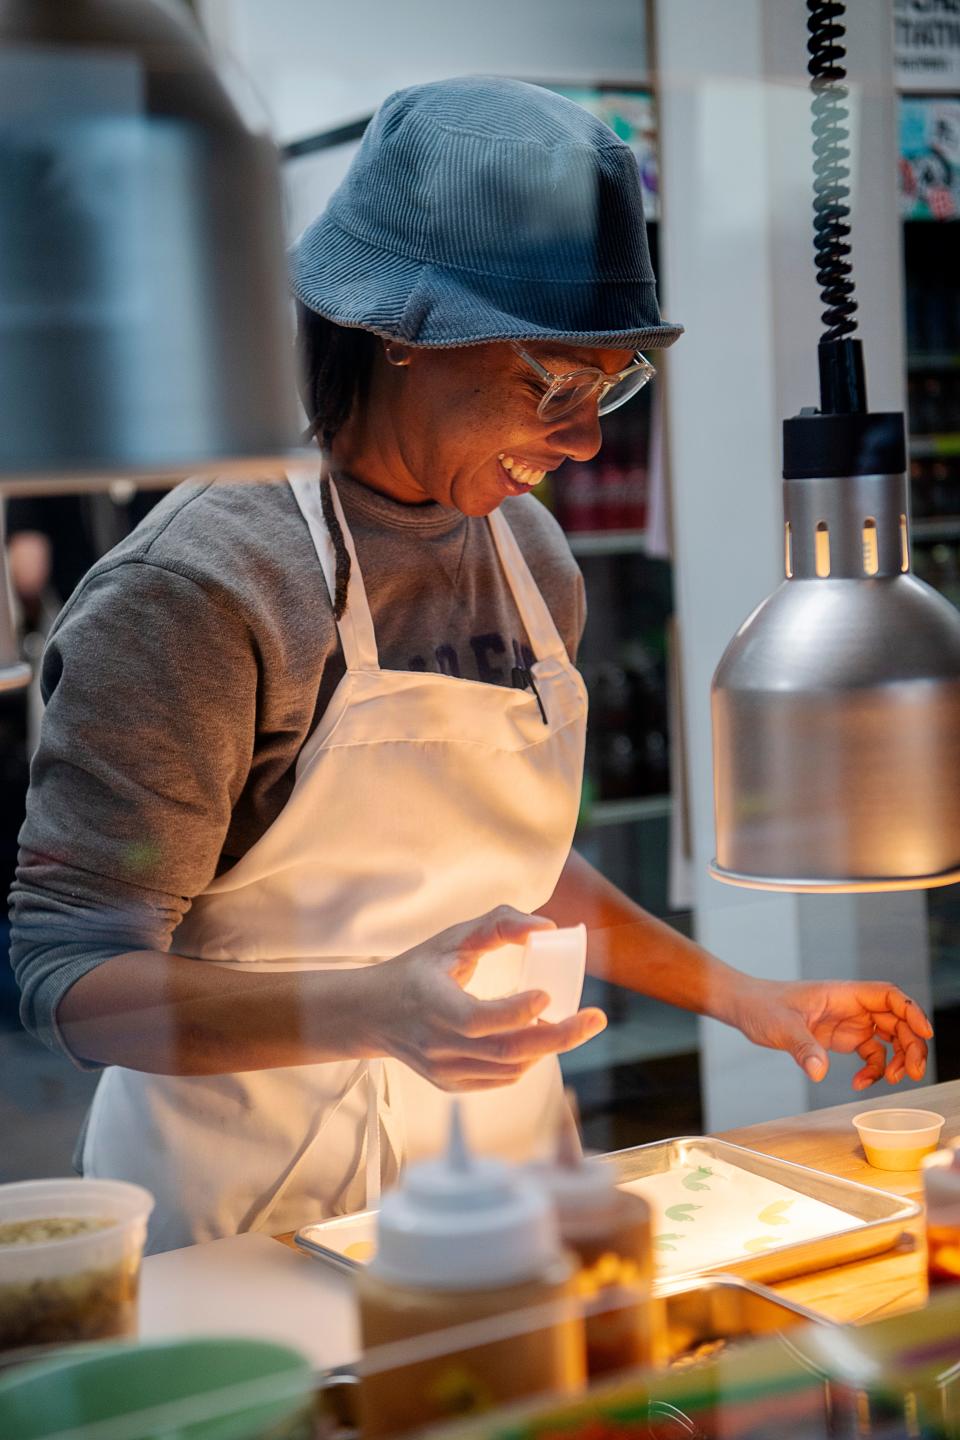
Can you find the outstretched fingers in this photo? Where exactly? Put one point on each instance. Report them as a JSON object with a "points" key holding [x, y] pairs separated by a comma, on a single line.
{"points": [[524, 1046], [502, 926], [873, 1052], [909, 1049], [910, 1053], [890, 1007], [495, 1017], [469, 941]]}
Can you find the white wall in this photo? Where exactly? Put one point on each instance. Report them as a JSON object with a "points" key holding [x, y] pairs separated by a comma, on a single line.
{"points": [[737, 262], [318, 63]]}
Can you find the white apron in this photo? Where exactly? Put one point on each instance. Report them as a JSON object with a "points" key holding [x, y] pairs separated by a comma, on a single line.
{"points": [[420, 800]]}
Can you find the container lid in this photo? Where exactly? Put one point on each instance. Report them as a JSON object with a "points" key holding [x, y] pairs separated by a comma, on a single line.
{"points": [[941, 1177], [462, 1222], [582, 1188], [585, 1191]]}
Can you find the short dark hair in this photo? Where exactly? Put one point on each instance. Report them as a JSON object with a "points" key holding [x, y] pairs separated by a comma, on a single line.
{"points": [[335, 366]]}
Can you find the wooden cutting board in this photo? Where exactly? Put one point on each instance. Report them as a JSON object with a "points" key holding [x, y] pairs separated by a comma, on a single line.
{"points": [[250, 1285]]}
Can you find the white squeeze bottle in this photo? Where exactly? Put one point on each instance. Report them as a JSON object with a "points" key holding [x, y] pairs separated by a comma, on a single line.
{"points": [[470, 1242]]}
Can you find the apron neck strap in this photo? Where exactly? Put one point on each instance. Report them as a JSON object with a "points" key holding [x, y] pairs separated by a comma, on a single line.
{"points": [[355, 626], [542, 632]]}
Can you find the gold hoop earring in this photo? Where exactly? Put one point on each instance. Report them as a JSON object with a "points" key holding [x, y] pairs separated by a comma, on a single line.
{"points": [[395, 354]]}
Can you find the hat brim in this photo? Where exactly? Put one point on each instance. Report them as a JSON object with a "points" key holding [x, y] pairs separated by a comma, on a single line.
{"points": [[355, 285]]}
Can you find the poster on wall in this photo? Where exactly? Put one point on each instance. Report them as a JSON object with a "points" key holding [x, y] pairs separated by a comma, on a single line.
{"points": [[926, 43], [631, 114], [929, 162]]}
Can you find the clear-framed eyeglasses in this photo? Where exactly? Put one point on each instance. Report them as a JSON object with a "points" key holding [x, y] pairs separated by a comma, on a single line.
{"points": [[565, 393]]}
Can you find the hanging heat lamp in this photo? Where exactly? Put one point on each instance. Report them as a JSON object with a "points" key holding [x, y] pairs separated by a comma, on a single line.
{"points": [[836, 706]]}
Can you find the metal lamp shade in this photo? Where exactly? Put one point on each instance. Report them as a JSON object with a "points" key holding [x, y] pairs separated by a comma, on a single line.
{"points": [[836, 708], [144, 321]]}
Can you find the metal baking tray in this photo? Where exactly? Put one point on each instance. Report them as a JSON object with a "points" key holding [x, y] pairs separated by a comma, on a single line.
{"points": [[881, 1218], [727, 1308], [331, 1240]]}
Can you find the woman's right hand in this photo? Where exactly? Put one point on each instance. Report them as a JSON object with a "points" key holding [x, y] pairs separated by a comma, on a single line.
{"points": [[415, 1009]]}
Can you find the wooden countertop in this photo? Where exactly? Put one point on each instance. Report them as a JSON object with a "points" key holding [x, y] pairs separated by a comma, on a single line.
{"points": [[826, 1140]]}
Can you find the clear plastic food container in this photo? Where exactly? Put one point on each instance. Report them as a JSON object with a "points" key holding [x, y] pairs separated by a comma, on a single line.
{"points": [[70, 1260]]}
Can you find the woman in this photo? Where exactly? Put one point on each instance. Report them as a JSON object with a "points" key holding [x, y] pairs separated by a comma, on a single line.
{"points": [[304, 732]]}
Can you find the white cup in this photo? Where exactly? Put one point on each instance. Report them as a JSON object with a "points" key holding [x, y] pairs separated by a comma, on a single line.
{"points": [[551, 960], [556, 961], [898, 1139]]}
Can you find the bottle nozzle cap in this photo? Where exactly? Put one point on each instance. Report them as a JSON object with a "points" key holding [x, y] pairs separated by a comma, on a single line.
{"points": [[458, 1156], [568, 1148], [464, 1222]]}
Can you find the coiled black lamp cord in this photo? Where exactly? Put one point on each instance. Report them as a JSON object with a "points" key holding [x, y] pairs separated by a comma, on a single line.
{"points": [[842, 383]]}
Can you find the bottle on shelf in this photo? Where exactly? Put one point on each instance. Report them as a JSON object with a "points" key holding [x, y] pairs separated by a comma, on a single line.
{"points": [[921, 488], [606, 495], [577, 499], [945, 487], [932, 302], [613, 748], [627, 739]]}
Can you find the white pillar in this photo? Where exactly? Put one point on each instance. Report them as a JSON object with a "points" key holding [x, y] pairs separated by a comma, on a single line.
{"points": [[737, 261]]}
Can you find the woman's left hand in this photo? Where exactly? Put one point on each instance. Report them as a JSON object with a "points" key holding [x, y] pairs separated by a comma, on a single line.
{"points": [[808, 1019]]}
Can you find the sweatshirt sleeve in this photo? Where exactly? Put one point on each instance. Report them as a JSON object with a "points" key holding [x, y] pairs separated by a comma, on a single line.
{"points": [[150, 683]]}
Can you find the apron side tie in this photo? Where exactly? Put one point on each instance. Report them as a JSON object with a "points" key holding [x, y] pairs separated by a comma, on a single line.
{"points": [[258, 1214], [375, 1093]]}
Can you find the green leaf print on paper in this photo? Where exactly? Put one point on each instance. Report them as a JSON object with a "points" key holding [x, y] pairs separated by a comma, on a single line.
{"points": [[663, 1242], [681, 1212], [694, 1181], [762, 1242], [775, 1214]]}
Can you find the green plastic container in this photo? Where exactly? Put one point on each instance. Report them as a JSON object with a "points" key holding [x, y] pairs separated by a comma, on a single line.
{"points": [[203, 1389]]}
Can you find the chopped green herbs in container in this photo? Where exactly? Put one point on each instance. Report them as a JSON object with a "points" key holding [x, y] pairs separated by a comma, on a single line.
{"points": [[70, 1255]]}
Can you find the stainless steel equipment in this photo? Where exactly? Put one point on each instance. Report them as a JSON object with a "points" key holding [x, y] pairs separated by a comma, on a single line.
{"points": [[836, 707], [144, 319], [725, 1307], [878, 1219]]}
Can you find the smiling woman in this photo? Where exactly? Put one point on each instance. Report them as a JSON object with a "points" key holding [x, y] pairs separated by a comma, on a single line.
{"points": [[436, 424], [570, 389], [354, 762]]}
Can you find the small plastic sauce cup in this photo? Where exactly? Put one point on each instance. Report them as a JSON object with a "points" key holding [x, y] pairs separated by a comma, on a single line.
{"points": [[551, 960], [898, 1139], [556, 961]]}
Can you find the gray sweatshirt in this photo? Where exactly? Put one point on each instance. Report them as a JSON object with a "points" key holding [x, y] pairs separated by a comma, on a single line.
{"points": [[186, 672]]}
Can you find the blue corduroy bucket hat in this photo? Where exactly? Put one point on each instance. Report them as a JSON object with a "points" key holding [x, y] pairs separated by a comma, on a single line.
{"points": [[484, 209]]}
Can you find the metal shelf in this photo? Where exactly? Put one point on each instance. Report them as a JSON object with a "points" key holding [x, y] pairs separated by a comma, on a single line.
{"points": [[621, 812], [607, 542], [924, 446], [940, 527], [933, 361]]}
